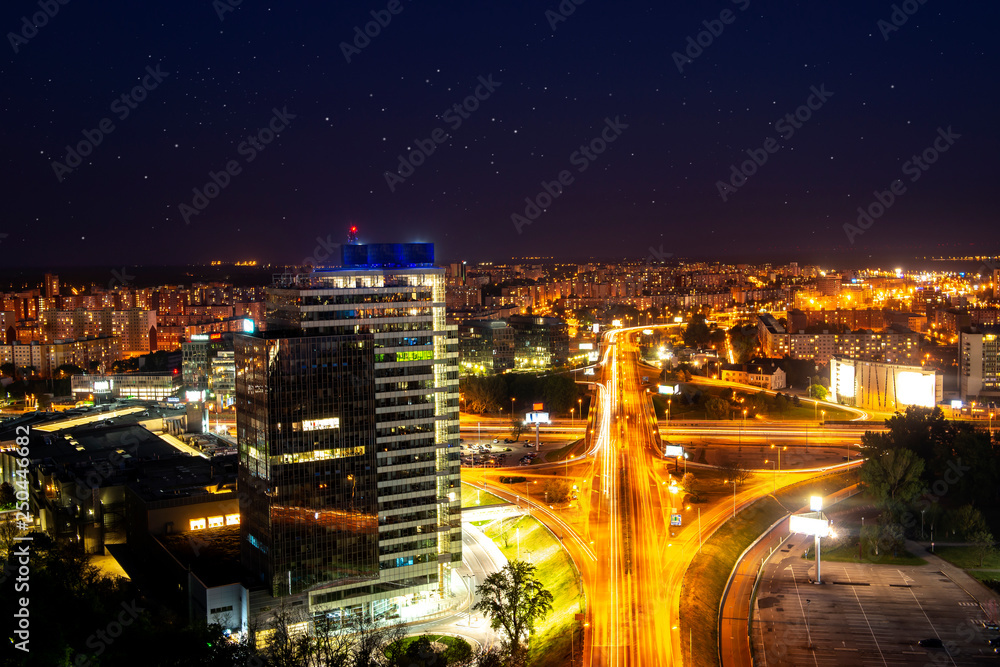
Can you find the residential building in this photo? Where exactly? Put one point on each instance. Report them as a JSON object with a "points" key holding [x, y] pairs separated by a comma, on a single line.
{"points": [[979, 363], [763, 373]]}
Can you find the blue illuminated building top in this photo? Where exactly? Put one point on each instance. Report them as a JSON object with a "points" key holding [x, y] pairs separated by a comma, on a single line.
{"points": [[387, 255]]}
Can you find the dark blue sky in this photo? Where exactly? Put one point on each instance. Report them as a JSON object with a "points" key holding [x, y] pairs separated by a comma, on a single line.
{"points": [[655, 185]]}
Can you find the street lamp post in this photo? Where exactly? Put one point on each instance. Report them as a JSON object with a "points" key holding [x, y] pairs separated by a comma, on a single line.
{"points": [[734, 495], [922, 523]]}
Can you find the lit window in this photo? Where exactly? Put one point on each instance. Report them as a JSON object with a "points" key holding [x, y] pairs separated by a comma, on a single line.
{"points": [[215, 521], [197, 524], [232, 519]]}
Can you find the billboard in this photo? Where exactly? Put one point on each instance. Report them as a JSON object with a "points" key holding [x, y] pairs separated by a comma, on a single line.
{"points": [[813, 523], [669, 389], [843, 378], [673, 450], [536, 418], [675, 519], [586, 346], [915, 389]]}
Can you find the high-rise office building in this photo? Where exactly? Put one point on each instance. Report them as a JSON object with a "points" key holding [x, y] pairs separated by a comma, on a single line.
{"points": [[347, 420]]}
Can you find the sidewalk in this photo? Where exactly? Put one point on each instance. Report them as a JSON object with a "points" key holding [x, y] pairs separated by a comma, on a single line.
{"points": [[986, 597]]}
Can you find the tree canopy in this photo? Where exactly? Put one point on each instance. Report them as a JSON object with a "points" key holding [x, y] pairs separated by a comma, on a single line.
{"points": [[515, 600]]}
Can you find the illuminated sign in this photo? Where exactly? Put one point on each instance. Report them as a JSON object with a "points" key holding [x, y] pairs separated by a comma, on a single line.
{"points": [[586, 346], [669, 389], [215, 336], [588, 371], [592, 356], [673, 450], [616, 323], [321, 424], [194, 396], [914, 388], [199, 337], [536, 418], [957, 405], [102, 386], [537, 406], [647, 332], [843, 379], [675, 519], [596, 328], [809, 524], [248, 326], [815, 503]]}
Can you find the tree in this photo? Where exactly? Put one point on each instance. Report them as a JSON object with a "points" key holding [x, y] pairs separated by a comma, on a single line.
{"points": [[968, 521], [696, 333], [489, 657], [557, 490], [516, 428], [716, 408], [694, 486], [483, 394], [285, 646], [893, 476], [818, 391], [8, 369], [7, 496], [515, 601], [370, 639], [420, 653], [891, 533], [735, 469], [982, 545], [69, 369], [870, 537]]}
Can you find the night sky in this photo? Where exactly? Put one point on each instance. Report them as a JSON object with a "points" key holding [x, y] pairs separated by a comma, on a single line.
{"points": [[221, 73]]}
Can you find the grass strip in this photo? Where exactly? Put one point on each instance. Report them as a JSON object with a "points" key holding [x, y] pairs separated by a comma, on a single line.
{"points": [[555, 635]]}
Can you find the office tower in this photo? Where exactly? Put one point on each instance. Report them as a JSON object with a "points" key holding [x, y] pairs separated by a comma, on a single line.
{"points": [[347, 419]]}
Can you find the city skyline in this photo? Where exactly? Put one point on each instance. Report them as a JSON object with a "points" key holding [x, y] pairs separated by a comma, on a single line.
{"points": [[634, 126]]}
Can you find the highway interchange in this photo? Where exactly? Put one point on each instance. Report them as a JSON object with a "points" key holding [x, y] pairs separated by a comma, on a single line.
{"points": [[631, 560]]}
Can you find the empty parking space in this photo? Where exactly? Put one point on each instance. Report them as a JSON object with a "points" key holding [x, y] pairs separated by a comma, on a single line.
{"points": [[864, 615]]}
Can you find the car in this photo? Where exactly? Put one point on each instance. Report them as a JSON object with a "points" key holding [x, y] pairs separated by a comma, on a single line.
{"points": [[931, 642], [495, 441], [507, 440], [528, 445]]}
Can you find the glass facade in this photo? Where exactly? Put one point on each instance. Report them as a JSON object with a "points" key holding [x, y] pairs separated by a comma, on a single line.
{"points": [[308, 497], [407, 532]]}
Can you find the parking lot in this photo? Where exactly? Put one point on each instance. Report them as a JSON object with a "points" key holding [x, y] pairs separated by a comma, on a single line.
{"points": [[864, 615]]}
